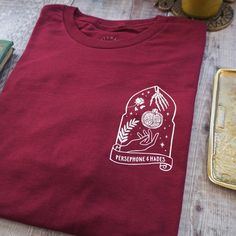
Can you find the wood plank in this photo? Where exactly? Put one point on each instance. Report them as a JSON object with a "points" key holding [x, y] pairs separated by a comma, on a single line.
{"points": [[208, 209]]}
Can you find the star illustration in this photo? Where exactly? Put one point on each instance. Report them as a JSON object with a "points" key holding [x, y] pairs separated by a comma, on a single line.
{"points": [[166, 136], [162, 145]]}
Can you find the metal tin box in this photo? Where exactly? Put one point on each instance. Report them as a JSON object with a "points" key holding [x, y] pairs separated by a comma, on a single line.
{"points": [[222, 139]]}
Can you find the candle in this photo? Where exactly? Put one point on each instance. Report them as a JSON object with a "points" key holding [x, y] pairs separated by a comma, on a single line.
{"points": [[201, 8]]}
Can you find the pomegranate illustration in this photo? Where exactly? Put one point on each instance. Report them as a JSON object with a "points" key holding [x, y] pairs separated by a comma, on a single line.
{"points": [[152, 119]]}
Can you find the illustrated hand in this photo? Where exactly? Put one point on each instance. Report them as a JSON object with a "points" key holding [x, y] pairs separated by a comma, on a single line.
{"points": [[159, 99], [145, 141]]}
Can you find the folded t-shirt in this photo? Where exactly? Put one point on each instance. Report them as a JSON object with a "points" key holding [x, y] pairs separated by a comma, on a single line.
{"points": [[95, 124]]}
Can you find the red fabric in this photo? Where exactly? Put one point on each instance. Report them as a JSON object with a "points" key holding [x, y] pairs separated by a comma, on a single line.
{"points": [[95, 124]]}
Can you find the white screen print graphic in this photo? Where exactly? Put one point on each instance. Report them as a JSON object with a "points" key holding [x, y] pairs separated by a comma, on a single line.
{"points": [[146, 130]]}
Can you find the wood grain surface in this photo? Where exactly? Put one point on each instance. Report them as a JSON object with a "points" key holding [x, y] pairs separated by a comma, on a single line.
{"points": [[208, 210]]}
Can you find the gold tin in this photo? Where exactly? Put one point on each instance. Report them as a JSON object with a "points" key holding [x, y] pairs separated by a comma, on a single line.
{"points": [[222, 138]]}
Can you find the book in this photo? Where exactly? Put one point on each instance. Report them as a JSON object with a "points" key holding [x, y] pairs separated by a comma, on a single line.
{"points": [[6, 58], [5, 46]]}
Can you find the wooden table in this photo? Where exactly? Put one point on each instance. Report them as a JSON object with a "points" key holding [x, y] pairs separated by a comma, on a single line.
{"points": [[208, 210]]}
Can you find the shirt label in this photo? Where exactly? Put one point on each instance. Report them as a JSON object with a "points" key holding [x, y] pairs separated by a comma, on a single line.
{"points": [[109, 37]]}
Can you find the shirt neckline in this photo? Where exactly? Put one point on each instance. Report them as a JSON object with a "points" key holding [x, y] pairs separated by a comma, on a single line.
{"points": [[154, 25]]}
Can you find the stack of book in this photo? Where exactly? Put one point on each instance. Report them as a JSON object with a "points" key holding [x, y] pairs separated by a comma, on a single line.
{"points": [[6, 51]]}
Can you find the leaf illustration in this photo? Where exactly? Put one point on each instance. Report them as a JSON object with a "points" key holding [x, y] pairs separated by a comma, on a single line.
{"points": [[125, 130]]}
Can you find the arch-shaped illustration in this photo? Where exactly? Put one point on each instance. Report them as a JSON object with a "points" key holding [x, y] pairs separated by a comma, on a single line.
{"points": [[146, 130]]}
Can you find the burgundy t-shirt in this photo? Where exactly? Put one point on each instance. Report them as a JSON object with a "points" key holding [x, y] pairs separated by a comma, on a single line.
{"points": [[95, 124]]}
